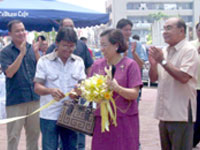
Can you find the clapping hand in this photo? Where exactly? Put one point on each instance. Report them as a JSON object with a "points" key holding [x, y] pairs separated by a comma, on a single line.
{"points": [[152, 61], [133, 47], [36, 45], [22, 48], [155, 55]]}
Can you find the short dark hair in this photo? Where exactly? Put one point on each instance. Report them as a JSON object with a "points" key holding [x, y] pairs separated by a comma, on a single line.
{"points": [[123, 22], [181, 24], [116, 36], [66, 34], [136, 37], [42, 37], [11, 23], [198, 24], [83, 38]]}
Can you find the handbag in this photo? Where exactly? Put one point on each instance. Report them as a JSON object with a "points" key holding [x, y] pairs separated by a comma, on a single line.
{"points": [[77, 117]]}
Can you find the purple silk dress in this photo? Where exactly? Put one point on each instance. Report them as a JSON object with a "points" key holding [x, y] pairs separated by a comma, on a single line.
{"points": [[126, 135]]}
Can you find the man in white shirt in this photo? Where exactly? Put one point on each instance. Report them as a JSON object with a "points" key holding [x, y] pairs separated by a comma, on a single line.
{"points": [[57, 73], [176, 70]]}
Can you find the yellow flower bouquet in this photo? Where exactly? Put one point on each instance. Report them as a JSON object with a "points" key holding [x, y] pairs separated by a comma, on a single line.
{"points": [[95, 89]]}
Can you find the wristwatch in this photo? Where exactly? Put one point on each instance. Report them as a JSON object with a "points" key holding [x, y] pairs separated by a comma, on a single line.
{"points": [[163, 62]]}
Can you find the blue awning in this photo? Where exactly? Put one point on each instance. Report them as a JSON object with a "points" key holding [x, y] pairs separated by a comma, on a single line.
{"points": [[43, 15]]}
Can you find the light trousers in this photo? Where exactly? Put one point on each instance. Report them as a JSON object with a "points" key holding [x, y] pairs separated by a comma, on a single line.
{"points": [[30, 124]]}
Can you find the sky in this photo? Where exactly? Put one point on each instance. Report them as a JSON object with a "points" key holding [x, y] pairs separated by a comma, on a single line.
{"points": [[97, 5]]}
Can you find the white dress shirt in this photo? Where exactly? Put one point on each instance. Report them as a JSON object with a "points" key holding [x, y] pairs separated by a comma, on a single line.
{"points": [[53, 73]]}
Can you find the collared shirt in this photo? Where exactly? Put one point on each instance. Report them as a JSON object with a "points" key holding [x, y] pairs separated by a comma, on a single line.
{"points": [[196, 44], [81, 50], [139, 50], [53, 73], [19, 88], [173, 96]]}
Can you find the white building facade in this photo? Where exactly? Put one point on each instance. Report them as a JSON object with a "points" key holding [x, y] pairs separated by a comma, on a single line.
{"points": [[138, 12]]}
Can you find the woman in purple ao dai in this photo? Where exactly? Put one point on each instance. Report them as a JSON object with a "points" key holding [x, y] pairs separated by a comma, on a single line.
{"points": [[126, 84]]}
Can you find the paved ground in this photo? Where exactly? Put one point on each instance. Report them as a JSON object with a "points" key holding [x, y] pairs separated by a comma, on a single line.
{"points": [[149, 126]]}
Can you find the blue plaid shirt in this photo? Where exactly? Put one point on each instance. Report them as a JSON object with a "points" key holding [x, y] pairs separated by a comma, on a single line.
{"points": [[19, 88]]}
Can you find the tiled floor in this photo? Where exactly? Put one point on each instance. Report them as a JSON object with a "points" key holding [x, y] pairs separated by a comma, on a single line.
{"points": [[149, 137]]}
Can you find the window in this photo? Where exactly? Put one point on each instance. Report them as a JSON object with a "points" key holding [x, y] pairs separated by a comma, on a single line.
{"points": [[187, 18], [131, 5], [184, 5], [158, 6], [140, 19]]}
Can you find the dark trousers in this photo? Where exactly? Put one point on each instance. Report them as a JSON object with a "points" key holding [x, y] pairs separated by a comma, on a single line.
{"points": [[196, 137], [50, 136], [177, 135]]}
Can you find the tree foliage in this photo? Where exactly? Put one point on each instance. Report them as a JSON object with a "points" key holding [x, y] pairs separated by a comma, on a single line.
{"points": [[158, 16]]}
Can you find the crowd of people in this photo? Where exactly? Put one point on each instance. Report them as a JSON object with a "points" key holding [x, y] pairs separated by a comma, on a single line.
{"points": [[37, 73]]}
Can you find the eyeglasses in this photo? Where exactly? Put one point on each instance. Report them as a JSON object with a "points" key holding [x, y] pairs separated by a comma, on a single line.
{"points": [[69, 47], [168, 28], [104, 45]]}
